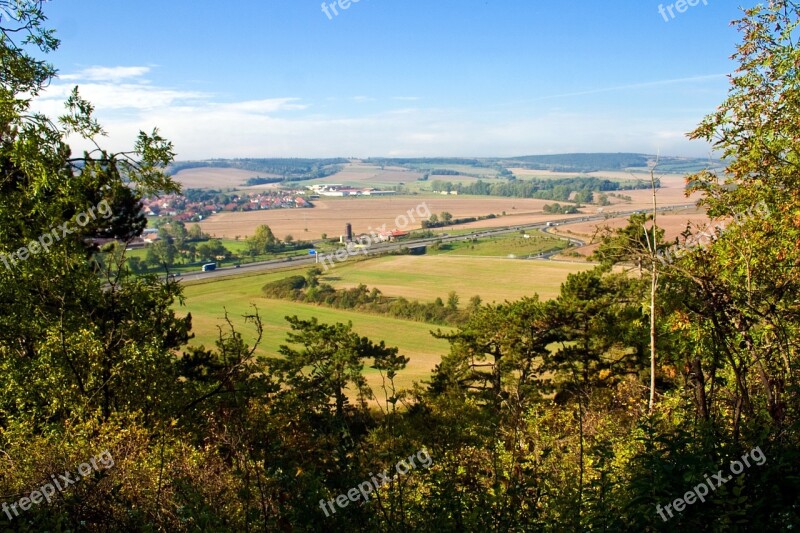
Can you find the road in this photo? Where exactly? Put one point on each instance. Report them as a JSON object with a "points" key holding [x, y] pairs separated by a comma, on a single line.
{"points": [[383, 248]]}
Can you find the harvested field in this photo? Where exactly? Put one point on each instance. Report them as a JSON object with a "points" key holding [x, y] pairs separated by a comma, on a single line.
{"points": [[362, 175], [426, 278], [331, 214], [672, 223], [215, 178]]}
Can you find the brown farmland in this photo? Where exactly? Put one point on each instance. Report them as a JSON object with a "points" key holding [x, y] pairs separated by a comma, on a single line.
{"points": [[331, 214], [673, 225], [214, 178]]}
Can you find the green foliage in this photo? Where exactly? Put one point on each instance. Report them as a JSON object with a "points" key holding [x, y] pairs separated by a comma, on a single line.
{"points": [[535, 420], [560, 189], [558, 209], [309, 290], [630, 244]]}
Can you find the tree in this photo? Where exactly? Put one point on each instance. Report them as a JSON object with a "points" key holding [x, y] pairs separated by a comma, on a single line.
{"points": [[263, 241], [94, 341], [583, 197], [748, 276], [135, 264], [177, 231], [161, 253], [210, 250], [489, 358], [330, 363], [641, 245], [452, 301], [195, 233]]}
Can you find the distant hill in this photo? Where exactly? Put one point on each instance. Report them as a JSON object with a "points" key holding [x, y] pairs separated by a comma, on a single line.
{"points": [[583, 162], [286, 170], [286, 167]]}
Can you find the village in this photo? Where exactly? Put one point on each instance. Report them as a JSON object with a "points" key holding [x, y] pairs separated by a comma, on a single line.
{"points": [[197, 205]]}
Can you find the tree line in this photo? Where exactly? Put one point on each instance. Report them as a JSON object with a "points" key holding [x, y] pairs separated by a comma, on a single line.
{"points": [[309, 289], [545, 189]]}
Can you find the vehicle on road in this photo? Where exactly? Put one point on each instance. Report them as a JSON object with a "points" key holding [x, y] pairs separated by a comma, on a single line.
{"points": [[208, 267]]}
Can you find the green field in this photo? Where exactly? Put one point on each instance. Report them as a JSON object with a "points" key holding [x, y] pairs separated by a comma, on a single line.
{"points": [[426, 278], [208, 301], [237, 247], [514, 244], [422, 278]]}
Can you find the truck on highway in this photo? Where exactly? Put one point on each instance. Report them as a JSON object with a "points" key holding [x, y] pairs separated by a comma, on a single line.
{"points": [[209, 267]]}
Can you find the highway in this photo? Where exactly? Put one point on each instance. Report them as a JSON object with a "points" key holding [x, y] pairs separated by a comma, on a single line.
{"points": [[382, 248]]}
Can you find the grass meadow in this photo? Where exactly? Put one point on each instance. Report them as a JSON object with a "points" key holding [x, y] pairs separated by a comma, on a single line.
{"points": [[421, 278]]}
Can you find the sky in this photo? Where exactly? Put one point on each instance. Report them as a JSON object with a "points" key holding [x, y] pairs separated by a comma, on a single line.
{"points": [[396, 78]]}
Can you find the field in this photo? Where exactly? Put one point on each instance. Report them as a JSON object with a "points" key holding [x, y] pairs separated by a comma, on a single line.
{"points": [[512, 246], [415, 277], [672, 224], [207, 303], [483, 270], [425, 278], [363, 175], [214, 178], [330, 215]]}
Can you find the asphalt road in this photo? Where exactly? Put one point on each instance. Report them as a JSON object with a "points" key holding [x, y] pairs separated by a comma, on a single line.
{"points": [[383, 248]]}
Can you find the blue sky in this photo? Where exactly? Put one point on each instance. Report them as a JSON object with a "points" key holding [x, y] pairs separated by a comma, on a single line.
{"points": [[279, 78]]}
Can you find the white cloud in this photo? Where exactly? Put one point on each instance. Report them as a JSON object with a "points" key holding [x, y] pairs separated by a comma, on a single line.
{"points": [[105, 96], [270, 105], [693, 80], [114, 88], [202, 127], [113, 74]]}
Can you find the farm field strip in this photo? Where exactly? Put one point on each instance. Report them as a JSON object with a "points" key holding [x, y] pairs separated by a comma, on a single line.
{"points": [[426, 278], [330, 215], [422, 278], [207, 304]]}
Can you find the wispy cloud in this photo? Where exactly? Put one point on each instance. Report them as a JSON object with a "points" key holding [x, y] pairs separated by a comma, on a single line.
{"points": [[111, 74], [116, 88], [620, 88], [113, 96], [202, 125], [270, 105]]}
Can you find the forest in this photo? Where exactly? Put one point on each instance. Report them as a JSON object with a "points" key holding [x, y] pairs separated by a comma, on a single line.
{"points": [[544, 189], [604, 409], [293, 169]]}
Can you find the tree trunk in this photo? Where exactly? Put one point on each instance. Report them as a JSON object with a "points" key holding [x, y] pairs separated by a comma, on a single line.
{"points": [[653, 288]]}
